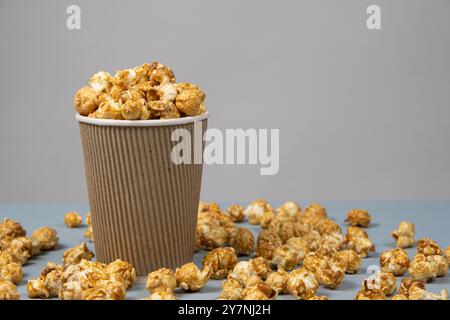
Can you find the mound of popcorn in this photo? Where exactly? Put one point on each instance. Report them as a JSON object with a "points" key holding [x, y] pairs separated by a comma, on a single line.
{"points": [[148, 91]]}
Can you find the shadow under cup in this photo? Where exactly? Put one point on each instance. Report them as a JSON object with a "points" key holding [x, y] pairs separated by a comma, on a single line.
{"points": [[143, 205]]}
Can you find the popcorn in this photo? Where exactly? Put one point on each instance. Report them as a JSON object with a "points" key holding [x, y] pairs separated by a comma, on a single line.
{"points": [[221, 261], [408, 283], [428, 247], [291, 208], [359, 218], [36, 289], [241, 239], [422, 269], [160, 74], [191, 278], [313, 214], [404, 235], [72, 219], [124, 270], [47, 238], [256, 283], [190, 99], [266, 244], [301, 247], [132, 109], [124, 78], [161, 293], [253, 294], [11, 229], [302, 284], [20, 248], [370, 292], [167, 92], [358, 240], [7, 257], [48, 284], [101, 81], [285, 257], [242, 272], [161, 279], [108, 109], [11, 272], [417, 293], [395, 261], [261, 267], [89, 234], [278, 281], [236, 212], [327, 272], [348, 260], [255, 211], [8, 290], [110, 291], [76, 254], [384, 281], [231, 290], [441, 264], [287, 230], [215, 238], [333, 241], [85, 101], [328, 226]]}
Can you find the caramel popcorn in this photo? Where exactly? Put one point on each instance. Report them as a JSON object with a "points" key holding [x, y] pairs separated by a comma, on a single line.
{"points": [[47, 238], [302, 284], [285, 257], [231, 290], [291, 208], [236, 212], [89, 234], [162, 293], [313, 214], [358, 218], [334, 241], [72, 219], [161, 278], [278, 281], [48, 284], [7, 257], [407, 284], [395, 261], [76, 254], [20, 248], [10, 229], [191, 278], [428, 247], [8, 290], [441, 264], [110, 291], [253, 294], [124, 270], [190, 99], [11, 272], [77, 278], [301, 247], [370, 292], [422, 269], [348, 260], [255, 211], [101, 81], [160, 74], [266, 244], [261, 267], [257, 283], [85, 101], [417, 293], [404, 235], [329, 273], [241, 239], [36, 289], [384, 281], [286, 230], [242, 272], [215, 238], [221, 261], [358, 240], [328, 226]]}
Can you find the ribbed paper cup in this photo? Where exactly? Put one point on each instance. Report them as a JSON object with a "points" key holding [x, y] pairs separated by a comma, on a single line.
{"points": [[144, 206]]}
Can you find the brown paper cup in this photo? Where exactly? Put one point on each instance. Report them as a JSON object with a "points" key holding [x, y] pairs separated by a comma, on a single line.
{"points": [[144, 207]]}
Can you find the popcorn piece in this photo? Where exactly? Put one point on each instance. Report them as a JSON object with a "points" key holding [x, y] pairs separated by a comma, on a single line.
{"points": [[328, 226], [404, 235], [108, 109], [301, 247], [291, 208], [428, 247], [231, 290], [124, 78], [417, 293], [215, 238], [242, 272], [359, 218], [47, 238], [221, 261], [161, 279], [160, 74], [358, 240], [407, 284], [287, 230], [302, 284], [85, 101], [7, 257], [261, 267], [236, 212], [90, 231], [111, 291], [384, 281], [190, 99], [278, 281], [266, 244], [333, 242], [11, 272], [330, 274], [161, 293], [77, 278], [255, 211], [142, 73], [422, 269], [8, 290], [395, 261], [313, 214], [167, 92], [348, 260], [131, 109], [257, 283], [11, 229], [36, 289], [101, 81], [164, 109], [52, 278], [370, 292], [285, 257], [76, 254], [191, 278], [441, 264], [20, 248], [241, 239], [124, 270], [73, 219]]}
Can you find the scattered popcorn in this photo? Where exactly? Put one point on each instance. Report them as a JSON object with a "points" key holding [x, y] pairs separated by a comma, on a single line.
{"points": [[241, 239], [257, 283], [301, 247], [242, 272], [384, 281], [278, 281], [255, 211], [417, 293], [76, 254], [85, 101], [231, 290], [110, 291], [47, 238], [291, 208], [7, 257], [20, 248], [428, 247], [236, 212], [8, 290], [253, 294], [215, 238], [11, 272], [328, 226], [161, 278], [261, 267], [408, 283], [266, 244], [404, 235], [191, 278], [285, 257], [359, 218], [348, 260], [221, 261], [302, 284], [422, 269], [441, 264], [370, 292], [124, 270], [326, 271], [395, 261], [358, 240]]}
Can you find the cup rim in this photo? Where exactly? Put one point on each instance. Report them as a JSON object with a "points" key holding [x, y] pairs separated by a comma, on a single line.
{"points": [[141, 123]]}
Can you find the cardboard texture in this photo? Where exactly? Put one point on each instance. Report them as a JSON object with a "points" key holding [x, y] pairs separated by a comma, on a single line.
{"points": [[144, 207]]}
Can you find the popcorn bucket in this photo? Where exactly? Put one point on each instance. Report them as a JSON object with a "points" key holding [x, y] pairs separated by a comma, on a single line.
{"points": [[143, 205]]}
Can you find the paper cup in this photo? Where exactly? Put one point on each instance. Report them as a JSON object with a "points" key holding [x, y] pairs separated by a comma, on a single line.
{"points": [[144, 206]]}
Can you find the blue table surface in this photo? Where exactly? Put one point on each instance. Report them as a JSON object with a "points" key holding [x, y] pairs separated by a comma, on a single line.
{"points": [[432, 219]]}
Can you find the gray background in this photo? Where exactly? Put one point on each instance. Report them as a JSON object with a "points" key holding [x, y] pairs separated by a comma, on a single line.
{"points": [[363, 115]]}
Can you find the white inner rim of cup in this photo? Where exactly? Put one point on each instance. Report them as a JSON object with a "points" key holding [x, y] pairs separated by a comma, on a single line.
{"points": [[140, 123]]}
